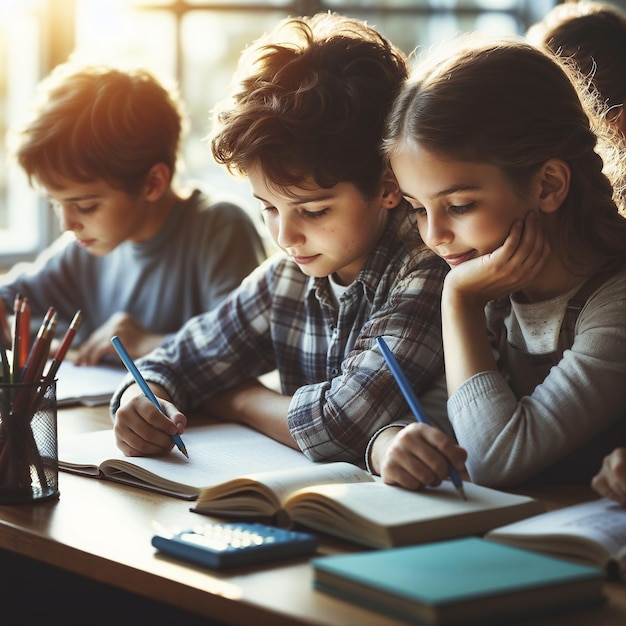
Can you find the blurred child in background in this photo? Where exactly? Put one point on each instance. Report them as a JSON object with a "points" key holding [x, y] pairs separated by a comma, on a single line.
{"points": [[140, 256]]}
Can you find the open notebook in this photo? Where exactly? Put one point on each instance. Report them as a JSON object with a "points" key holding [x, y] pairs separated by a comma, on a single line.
{"points": [[236, 472], [217, 453], [90, 385]]}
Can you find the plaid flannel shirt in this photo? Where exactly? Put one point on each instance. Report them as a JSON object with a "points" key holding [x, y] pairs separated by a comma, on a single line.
{"points": [[327, 358]]}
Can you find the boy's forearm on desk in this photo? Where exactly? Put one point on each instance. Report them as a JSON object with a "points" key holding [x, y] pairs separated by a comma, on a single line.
{"points": [[254, 405]]}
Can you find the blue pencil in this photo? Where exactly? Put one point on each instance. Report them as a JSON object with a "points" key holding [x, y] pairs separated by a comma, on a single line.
{"points": [[139, 379], [413, 402]]}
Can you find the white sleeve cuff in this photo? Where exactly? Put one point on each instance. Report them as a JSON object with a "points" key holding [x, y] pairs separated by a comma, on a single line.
{"points": [[374, 436]]}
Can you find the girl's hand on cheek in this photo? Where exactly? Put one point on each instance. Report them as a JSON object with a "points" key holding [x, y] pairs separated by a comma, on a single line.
{"points": [[527, 250], [509, 268]]}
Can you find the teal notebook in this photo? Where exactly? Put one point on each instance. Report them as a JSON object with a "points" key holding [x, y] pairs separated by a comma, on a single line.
{"points": [[461, 581]]}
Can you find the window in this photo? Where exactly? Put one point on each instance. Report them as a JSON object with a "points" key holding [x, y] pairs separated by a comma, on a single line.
{"points": [[196, 44], [22, 226]]}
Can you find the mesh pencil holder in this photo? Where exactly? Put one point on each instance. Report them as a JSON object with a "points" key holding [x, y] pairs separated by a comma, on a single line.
{"points": [[29, 463]]}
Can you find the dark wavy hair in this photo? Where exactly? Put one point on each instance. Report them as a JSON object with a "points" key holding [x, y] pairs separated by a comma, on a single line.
{"points": [[97, 122], [310, 102], [509, 104]]}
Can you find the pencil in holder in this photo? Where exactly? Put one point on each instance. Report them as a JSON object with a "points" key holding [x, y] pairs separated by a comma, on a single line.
{"points": [[29, 463]]}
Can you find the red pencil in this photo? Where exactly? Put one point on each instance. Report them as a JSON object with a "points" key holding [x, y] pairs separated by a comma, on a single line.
{"points": [[5, 329], [58, 357], [15, 347], [63, 348], [36, 348], [32, 374], [24, 331]]}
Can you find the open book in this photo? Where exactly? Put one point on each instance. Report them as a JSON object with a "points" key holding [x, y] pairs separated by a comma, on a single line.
{"points": [[593, 533], [343, 500], [235, 471], [217, 453], [90, 385]]}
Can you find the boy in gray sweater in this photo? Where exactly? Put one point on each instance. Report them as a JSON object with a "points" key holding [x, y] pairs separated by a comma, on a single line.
{"points": [[139, 257]]}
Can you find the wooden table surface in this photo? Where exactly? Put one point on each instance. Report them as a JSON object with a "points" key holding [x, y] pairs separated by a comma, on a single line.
{"points": [[102, 531]]}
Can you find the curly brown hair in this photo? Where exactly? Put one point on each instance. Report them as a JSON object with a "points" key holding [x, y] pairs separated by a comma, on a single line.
{"points": [[310, 102], [100, 123]]}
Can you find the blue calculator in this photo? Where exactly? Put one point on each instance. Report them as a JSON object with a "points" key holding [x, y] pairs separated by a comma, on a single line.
{"points": [[225, 545]]}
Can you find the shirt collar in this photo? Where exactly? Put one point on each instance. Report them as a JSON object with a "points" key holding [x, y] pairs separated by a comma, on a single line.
{"points": [[377, 262]]}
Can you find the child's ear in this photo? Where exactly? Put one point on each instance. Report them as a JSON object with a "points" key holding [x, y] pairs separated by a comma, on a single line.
{"points": [[391, 195], [554, 182], [157, 182]]}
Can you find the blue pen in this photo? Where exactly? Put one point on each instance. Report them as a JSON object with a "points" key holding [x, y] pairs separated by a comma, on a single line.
{"points": [[414, 403], [139, 379]]}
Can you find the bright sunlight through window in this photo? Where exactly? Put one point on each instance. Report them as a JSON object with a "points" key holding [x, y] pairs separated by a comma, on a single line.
{"points": [[194, 45]]}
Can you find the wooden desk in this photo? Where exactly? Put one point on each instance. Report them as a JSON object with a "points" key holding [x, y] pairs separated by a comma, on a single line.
{"points": [[102, 531]]}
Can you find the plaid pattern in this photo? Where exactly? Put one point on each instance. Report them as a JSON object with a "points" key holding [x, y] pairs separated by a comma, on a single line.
{"points": [[327, 359]]}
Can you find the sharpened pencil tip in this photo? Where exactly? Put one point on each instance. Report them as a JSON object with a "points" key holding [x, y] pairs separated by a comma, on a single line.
{"points": [[183, 449], [462, 493]]}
